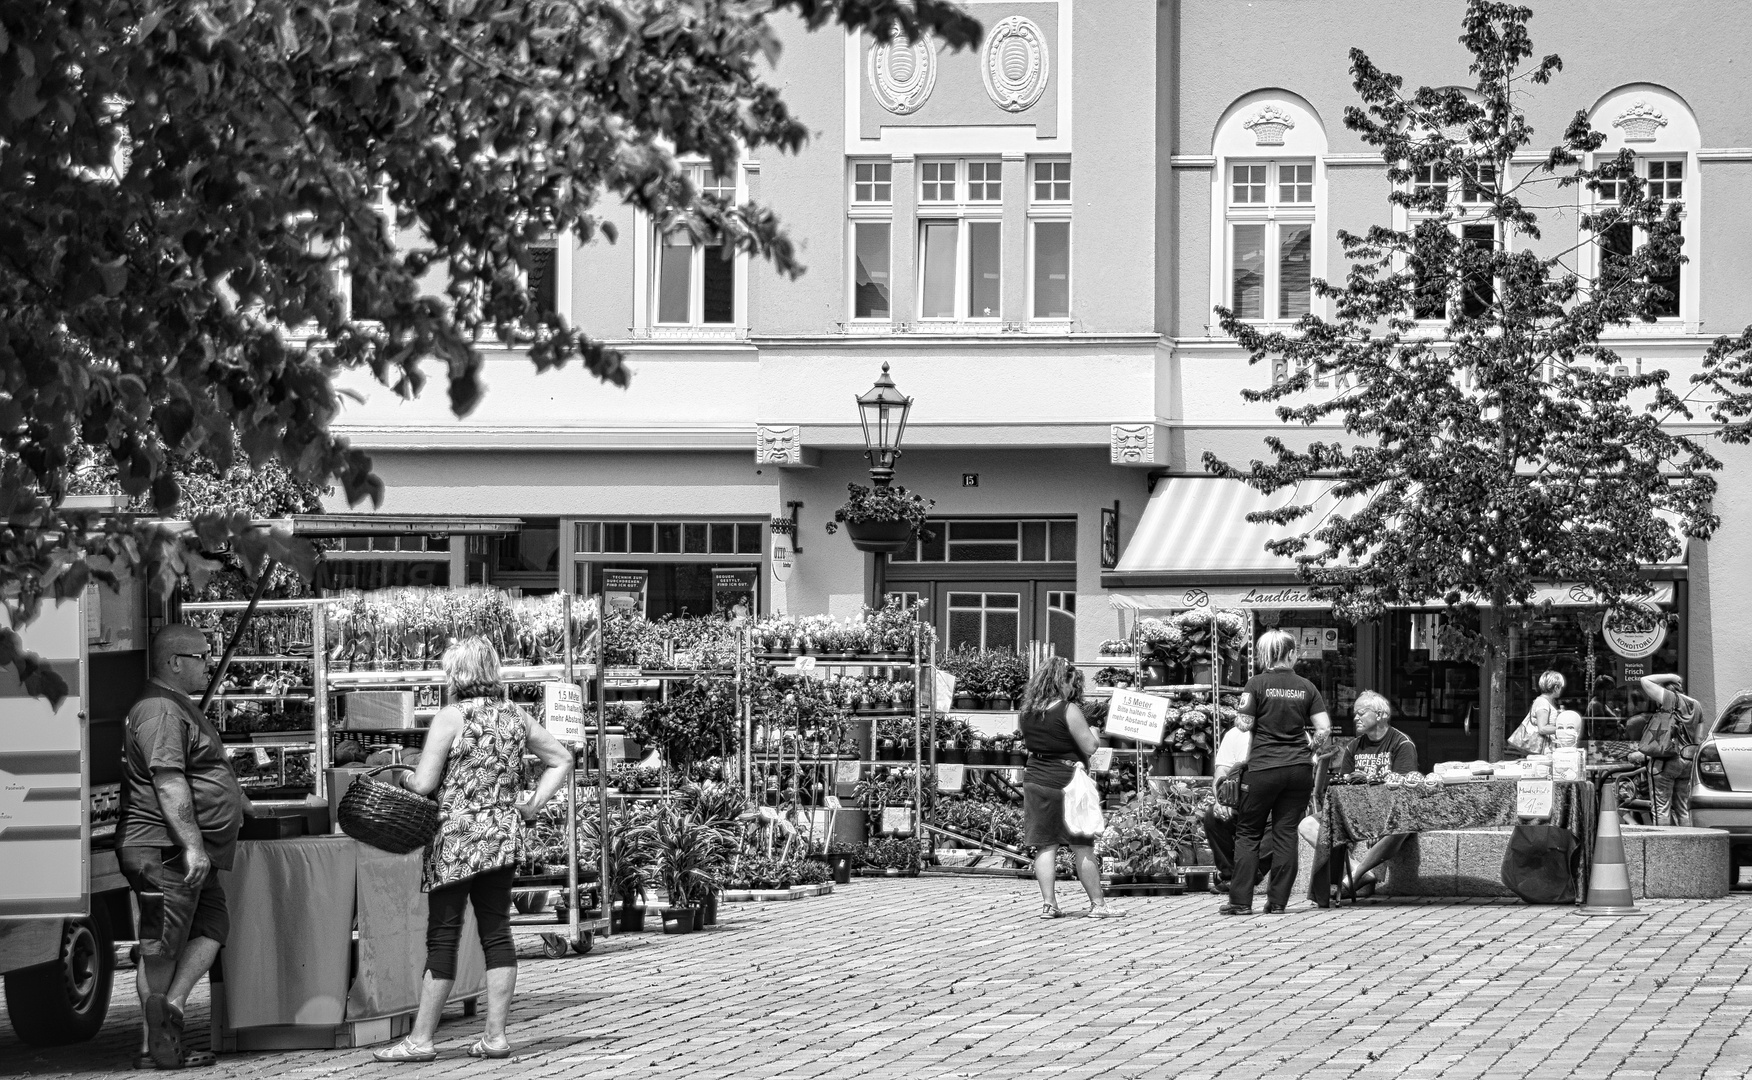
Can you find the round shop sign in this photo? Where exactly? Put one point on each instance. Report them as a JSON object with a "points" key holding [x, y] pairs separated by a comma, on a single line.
{"points": [[1635, 642]]}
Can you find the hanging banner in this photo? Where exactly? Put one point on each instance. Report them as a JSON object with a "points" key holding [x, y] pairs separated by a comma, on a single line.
{"points": [[1138, 717], [1286, 597], [624, 591], [733, 591]]}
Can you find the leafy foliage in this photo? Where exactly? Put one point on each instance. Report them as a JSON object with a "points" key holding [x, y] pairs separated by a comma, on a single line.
{"points": [[184, 184], [1493, 442], [881, 504]]}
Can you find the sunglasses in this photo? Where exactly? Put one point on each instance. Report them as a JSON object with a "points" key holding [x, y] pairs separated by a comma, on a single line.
{"points": [[205, 658]]}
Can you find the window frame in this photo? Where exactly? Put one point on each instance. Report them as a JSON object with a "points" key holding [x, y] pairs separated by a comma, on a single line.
{"points": [[654, 235], [872, 211], [1689, 182], [1460, 195], [963, 212], [1032, 224], [1272, 214], [1049, 211]]}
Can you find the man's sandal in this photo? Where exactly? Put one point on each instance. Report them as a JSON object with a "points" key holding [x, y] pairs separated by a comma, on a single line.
{"points": [[163, 1033], [404, 1052], [482, 1049]]}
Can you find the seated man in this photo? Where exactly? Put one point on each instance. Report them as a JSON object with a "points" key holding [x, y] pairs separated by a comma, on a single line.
{"points": [[1219, 820], [1380, 745]]}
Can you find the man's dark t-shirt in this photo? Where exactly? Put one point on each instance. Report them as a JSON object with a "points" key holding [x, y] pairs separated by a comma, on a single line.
{"points": [[1394, 747], [165, 730], [1282, 705]]}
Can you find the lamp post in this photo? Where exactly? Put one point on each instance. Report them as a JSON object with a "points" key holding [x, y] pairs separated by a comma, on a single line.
{"points": [[882, 410]]}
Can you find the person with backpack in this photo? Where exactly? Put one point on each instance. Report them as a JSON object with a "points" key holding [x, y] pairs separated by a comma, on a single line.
{"points": [[1669, 743]]}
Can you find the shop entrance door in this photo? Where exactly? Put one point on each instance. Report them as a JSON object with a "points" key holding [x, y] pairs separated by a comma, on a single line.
{"points": [[999, 614]]}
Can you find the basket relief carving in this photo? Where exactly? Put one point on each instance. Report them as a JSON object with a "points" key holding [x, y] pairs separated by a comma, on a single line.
{"points": [[1268, 125]]}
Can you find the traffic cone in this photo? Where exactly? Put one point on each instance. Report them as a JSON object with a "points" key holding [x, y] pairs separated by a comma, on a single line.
{"points": [[1609, 882]]}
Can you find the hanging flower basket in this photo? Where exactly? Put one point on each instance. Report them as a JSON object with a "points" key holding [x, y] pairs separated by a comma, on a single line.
{"points": [[886, 537]]}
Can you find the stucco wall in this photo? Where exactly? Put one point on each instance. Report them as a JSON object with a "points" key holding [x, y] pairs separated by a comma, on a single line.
{"points": [[1721, 590], [959, 98]]}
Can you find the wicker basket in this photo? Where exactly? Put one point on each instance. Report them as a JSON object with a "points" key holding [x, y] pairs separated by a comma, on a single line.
{"points": [[387, 816]]}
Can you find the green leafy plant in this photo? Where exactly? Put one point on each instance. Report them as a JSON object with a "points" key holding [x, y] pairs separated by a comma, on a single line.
{"points": [[633, 853], [690, 854], [882, 504]]}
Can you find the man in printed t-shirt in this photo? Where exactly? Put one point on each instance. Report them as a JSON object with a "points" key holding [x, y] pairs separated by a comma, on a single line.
{"points": [[1379, 748]]}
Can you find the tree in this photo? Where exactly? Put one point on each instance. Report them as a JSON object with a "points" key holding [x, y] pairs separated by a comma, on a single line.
{"points": [[181, 181], [1502, 445]]}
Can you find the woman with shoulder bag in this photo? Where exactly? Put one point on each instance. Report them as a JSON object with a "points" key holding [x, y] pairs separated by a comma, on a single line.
{"points": [[1059, 743], [1668, 744], [1534, 736], [1280, 773], [473, 761]]}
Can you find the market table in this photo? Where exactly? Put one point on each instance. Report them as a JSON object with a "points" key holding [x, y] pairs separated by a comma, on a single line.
{"points": [[1359, 813], [327, 946]]}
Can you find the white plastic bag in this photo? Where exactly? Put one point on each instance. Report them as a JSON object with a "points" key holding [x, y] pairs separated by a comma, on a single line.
{"points": [[1083, 806]]}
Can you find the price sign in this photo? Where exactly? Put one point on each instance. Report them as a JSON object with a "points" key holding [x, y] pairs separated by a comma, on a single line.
{"points": [[805, 666], [897, 820], [831, 802], [1138, 717], [951, 777], [1101, 760], [562, 712], [846, 772], [1533, 798]]}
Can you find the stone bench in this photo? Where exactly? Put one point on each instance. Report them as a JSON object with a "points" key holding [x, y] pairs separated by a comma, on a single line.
{"points": [[1664, 863]]}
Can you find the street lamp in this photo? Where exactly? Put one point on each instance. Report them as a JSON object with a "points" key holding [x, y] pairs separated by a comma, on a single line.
{"points": [[882, 410]]}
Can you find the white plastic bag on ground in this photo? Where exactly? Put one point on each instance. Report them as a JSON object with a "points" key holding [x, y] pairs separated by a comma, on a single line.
{"points": [[1083, 806]]}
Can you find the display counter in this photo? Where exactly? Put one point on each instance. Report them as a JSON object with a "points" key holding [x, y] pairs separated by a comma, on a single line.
{"points": [[327, 946]]}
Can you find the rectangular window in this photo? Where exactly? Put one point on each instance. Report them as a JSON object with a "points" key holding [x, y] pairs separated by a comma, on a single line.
{"points": [[1247, 184], [544, 279], [984, 181], [693, 538], [1052, 270], [1480, 289], [674, 275], [719, 185], [723, 538], [1667, 180], [984, 245], [669, 538], [995, 540], [870, 273], [1295, 184], [366, 301], [985, 620], [1064, 541], [1479, 186], [642, 537], [937, 243], [718, 292], [1247, 274], [872, 182], [937, 181], [1052, 181], [1428, 179], [1295, 266]]}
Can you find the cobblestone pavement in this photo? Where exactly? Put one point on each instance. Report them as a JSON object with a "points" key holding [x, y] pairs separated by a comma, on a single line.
{"points": [[954, 977]]}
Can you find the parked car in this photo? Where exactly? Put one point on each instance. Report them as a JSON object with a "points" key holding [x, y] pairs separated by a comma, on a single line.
{"points": [[1721, 793]]}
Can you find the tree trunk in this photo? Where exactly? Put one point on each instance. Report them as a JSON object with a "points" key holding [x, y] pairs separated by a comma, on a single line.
{"points": [[1495, 677]]}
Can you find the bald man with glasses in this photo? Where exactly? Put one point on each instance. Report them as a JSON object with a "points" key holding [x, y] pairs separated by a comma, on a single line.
{"points": [[182, 809]]}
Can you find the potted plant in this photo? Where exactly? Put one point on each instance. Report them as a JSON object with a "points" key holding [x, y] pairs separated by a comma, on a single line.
{"points": [[632, 863], [839, 861], [881, 519], [1006, 678], [688, 852]]}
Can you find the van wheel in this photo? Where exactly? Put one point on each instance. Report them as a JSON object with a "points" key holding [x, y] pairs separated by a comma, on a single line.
{"points": [[65, 1000]]}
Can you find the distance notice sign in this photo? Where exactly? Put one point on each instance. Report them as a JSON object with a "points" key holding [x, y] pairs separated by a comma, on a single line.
{"points": [[1138, 717]]}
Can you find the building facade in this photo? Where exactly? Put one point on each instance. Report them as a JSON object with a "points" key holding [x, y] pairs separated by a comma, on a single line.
{"points": [[1033, 235]]}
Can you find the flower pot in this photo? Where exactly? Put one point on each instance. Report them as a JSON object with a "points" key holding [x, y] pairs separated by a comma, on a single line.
{"points": [[1198, 881], [709, 910], [1155, 674], [1000, 702], [678, 920], [1189, 764], [699, 916], [884, 537], [1018, 758], [842, 869], [966, 702], [951, 756], [627, 920], [1201, 672]]}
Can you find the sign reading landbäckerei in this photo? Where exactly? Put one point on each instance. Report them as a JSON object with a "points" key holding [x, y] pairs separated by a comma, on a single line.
{"points": [[1268, 597]]}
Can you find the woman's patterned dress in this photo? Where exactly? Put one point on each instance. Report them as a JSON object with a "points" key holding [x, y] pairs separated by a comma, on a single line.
{"points": [[479, 825]]}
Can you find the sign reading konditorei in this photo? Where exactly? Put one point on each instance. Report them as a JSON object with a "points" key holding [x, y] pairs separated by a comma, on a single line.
{"points": [[1138, 717]]}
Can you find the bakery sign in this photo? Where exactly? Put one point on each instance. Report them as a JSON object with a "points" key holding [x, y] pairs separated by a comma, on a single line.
{"points": [[1634, 636]]}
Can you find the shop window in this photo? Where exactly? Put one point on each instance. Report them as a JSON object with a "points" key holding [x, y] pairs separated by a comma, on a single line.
{"points": [[533, 548], [985, 620], [669, 537], [673, 589], [1061, 623], [985, 540]]}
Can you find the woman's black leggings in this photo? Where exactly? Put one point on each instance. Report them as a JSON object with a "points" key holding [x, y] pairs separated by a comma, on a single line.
{"points": [[491, 895], [1279, 795]]}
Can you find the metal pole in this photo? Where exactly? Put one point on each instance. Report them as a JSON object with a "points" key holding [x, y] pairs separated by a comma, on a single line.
{"points": [[243, 622], [571, 786], [319, 691], [602, 762]]}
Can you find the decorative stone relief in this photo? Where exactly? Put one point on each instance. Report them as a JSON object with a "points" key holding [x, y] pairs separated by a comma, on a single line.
{"points": [[1016, 63], [902, 74], [1640, 122], [1131, 444], [1269, 124], [778, 445]]}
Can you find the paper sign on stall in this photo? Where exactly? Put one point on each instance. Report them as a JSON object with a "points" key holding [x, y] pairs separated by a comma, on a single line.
{"points": [[945, 691], [951, 777], [562, 710], [1138, 717], [1533, 798], [831, 802], [847, 772], [897, 820], [804, 666], [1101, 760]]}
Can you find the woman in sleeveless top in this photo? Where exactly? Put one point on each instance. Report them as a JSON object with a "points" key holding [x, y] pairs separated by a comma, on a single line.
{"points": [[1059, 739], [473, 760]]}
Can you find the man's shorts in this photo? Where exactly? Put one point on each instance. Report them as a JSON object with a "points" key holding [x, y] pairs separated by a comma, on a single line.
{"points": [[183, 913]]}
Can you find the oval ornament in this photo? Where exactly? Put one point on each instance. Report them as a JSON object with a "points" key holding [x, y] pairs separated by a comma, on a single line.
{"points": [[1631, 640], [1016, 65], [902, 73]]}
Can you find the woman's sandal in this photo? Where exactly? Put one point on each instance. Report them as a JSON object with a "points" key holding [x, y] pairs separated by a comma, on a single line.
{"points": [[1050, 911], [480, 1049], [191, 1059], [403, 1051]]}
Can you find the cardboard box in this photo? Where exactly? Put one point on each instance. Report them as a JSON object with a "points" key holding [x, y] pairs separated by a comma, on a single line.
{"points": [[380, 710]]}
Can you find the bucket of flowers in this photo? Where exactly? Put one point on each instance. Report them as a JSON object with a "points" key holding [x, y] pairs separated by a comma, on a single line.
{"points": [[881, 519]]}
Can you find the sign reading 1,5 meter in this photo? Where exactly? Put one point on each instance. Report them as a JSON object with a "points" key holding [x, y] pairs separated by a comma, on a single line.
{"points": [[1138, 717]]}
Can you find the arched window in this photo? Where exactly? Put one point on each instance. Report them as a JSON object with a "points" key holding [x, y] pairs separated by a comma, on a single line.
{"points": [[1658, 127], [1268, 193]]}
